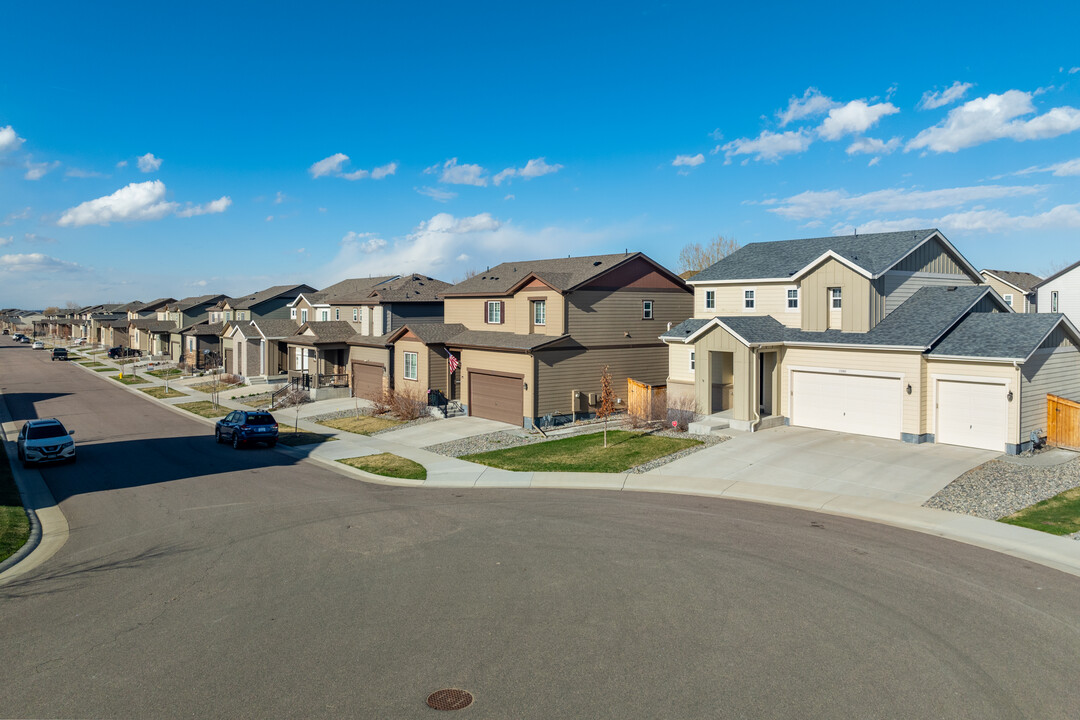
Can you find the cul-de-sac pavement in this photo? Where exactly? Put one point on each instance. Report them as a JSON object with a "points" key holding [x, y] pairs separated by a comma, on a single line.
{"points": [[200, 581]]}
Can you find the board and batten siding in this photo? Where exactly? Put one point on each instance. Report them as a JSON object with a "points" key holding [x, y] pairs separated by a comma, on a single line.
{"points": [[933, 257], [1055, 371], [1003, 371], [897, 286], [742, 368], [561, 372], [855, 300], [769, 299], [500, 362]]}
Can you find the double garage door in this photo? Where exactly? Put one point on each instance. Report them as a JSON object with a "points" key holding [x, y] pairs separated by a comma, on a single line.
{"points": [[847, 402], [496, 397]]}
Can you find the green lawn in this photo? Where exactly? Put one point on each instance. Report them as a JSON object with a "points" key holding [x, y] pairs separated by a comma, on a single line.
{"points": [[131, 379], [363, 425], [204, 408], [14, 525], [291, 436], [1059, 515], [92, 364], [165, 372], [105, 369], [160, 394], [388, 465], [585, 453]]}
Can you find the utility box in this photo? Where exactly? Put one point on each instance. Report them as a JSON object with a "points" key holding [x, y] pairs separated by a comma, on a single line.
{"points": [[577, 401], [594, 399]]}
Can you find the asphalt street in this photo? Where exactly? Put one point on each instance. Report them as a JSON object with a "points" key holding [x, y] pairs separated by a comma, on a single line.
{"points": [[202, 581]]}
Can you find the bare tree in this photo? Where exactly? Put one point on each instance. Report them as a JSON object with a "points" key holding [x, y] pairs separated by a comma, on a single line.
{"points": [[1055, 266], [51, 310], [607, 399], [695, 257], [470, 273]]}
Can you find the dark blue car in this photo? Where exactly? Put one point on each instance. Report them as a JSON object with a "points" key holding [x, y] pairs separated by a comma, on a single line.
{"points": [[247, 426]]}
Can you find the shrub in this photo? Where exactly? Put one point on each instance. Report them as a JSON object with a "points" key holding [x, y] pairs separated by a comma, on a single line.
{"points": [[410, 404], [383, 400], [681, 410], [230, 379]]}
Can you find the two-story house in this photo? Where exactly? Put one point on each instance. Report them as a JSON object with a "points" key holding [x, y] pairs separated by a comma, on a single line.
{"points": [[246, 352], [186, 314], [525, 342], [1060, 293], [1016, 288], [147, 330], [889, 334]]}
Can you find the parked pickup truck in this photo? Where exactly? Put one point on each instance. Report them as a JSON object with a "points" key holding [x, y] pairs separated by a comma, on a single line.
{"points": [[59, 354]]}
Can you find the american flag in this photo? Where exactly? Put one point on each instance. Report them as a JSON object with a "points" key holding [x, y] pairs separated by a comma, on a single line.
{"points": [[452, 362]]}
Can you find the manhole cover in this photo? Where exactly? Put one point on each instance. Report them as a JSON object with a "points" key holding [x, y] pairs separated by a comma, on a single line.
{"points": [[450, 699]]}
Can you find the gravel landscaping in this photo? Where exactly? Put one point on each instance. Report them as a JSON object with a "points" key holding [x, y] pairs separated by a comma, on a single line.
{"points": [[999, 488], [515, 438]]}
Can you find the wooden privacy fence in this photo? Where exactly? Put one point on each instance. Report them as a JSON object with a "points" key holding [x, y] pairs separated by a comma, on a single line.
{"points": [[648, 402], [1062, 422]]}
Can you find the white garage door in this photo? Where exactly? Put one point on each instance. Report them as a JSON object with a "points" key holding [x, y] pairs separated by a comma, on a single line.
{"points": [[847, 402], [972, 414]]}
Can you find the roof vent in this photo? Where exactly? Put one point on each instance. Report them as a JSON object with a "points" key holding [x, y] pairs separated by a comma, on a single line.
{"points": [[951, 288], [597, 262]]}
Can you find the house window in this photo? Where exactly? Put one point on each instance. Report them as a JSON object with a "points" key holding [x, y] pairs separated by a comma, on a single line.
{"points": [[1053, 301], [1008, 300], [303, 316], [337, 313], [749, 300], [710, 299], [292, 314], [646, 310], [191, 344], [539, 312], [324, 315], [410, 366], [355, 314], [793, 299], [693, 357], [834, 293], [494, 312]]}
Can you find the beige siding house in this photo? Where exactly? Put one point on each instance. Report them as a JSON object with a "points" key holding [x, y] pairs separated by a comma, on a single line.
{"points": [[896, 336], [1017, 288]]}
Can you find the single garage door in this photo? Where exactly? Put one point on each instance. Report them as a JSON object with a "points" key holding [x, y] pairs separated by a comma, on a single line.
{"points": [[367, 379], [496, 397], [972, 414], [847, 402]]}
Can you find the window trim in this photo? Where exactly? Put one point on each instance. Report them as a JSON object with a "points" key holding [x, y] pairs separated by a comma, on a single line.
{"points": [[648, 310], [789, 307], [693, 359], [749, 302], [324, 315], [415, 365], [337, 313], [292, 313], [1008, 298], [355, 314], [710, 299], [836, 299], [541, 306], [1053, 301], [303, 315], [497, 306]]}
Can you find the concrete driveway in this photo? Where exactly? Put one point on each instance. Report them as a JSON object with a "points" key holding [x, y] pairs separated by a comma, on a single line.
{"points": [[833, 462]]}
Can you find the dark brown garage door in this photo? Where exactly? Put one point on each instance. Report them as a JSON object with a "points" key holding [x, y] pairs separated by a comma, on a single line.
{"points": [[366, 379], [495, 397]]}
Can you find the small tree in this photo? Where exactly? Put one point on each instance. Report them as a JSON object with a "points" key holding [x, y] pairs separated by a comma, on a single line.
{"points": [[607, 399]]}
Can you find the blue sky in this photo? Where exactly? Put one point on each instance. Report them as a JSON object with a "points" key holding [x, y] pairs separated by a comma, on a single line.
{"points": [[148, 150]]}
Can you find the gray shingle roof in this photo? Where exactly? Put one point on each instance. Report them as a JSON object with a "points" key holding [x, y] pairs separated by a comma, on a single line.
{"points": [[410, 288], [1023, 280], [434, 333], [276, 327], [249, 301], [559, 273], [328, 331], [153, 304], [204, 327], [370, 340], [874, 253], [349, 290], [153, 325], [501, 340], [187, 303], [997, 335]]}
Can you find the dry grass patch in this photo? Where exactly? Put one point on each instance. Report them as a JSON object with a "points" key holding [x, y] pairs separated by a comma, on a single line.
{"points": [[161, 394], [388, 465], [131, 380], [212, 387], [205, 408], [363, 425]]}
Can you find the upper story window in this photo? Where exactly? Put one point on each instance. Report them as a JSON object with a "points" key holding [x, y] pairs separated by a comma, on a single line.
{"points": [[749, 299], [355, 314], [710, 299], [410, 366], [337, 313], [646, 310], [793, 299], [292, 314], [303, 315], [324, 315], [1008, 299], [834, 294], [1053, 301], [539, 312], [494, 312], [693, 357]]}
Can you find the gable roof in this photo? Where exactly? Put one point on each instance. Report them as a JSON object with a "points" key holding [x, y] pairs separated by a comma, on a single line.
{"points": [[409, 288], [1023, 281], [203, 327], [326, 331], [249, 301], [1058, 274], [872, 254], [429, 333], [187, 303], [153, 325], [153, 305], [1008, 336], [561, 274], [274, 327], [354, 289]]}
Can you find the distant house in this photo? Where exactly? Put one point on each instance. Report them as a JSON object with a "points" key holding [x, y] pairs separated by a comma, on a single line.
{"points": [[185, 314], [1060, 293], [148, 331], [236, 313], [1017, 288]]}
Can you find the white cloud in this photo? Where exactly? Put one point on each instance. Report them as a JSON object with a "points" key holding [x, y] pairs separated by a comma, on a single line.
{"points": [[873, 146], [35, 238], [333, 166], [134, 202], [34, 263], [854, 118], [7, 240], [511, 196], [812, 103], [279, 198], [437, 194], [8, 139], [148, 163], [948, 96], [122, 164], [80, 173], [688, 160], [994, 117], [366, 243], [978, 220], [19, 215], [200, 283], [1061, 169], [533, 168], [768, 146], [822, 204], [36, 171], [211, 208], [1073, 71], [452, 173]]}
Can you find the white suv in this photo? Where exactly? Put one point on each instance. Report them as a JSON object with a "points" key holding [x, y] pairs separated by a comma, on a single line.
{"points": [[45, 440]]}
